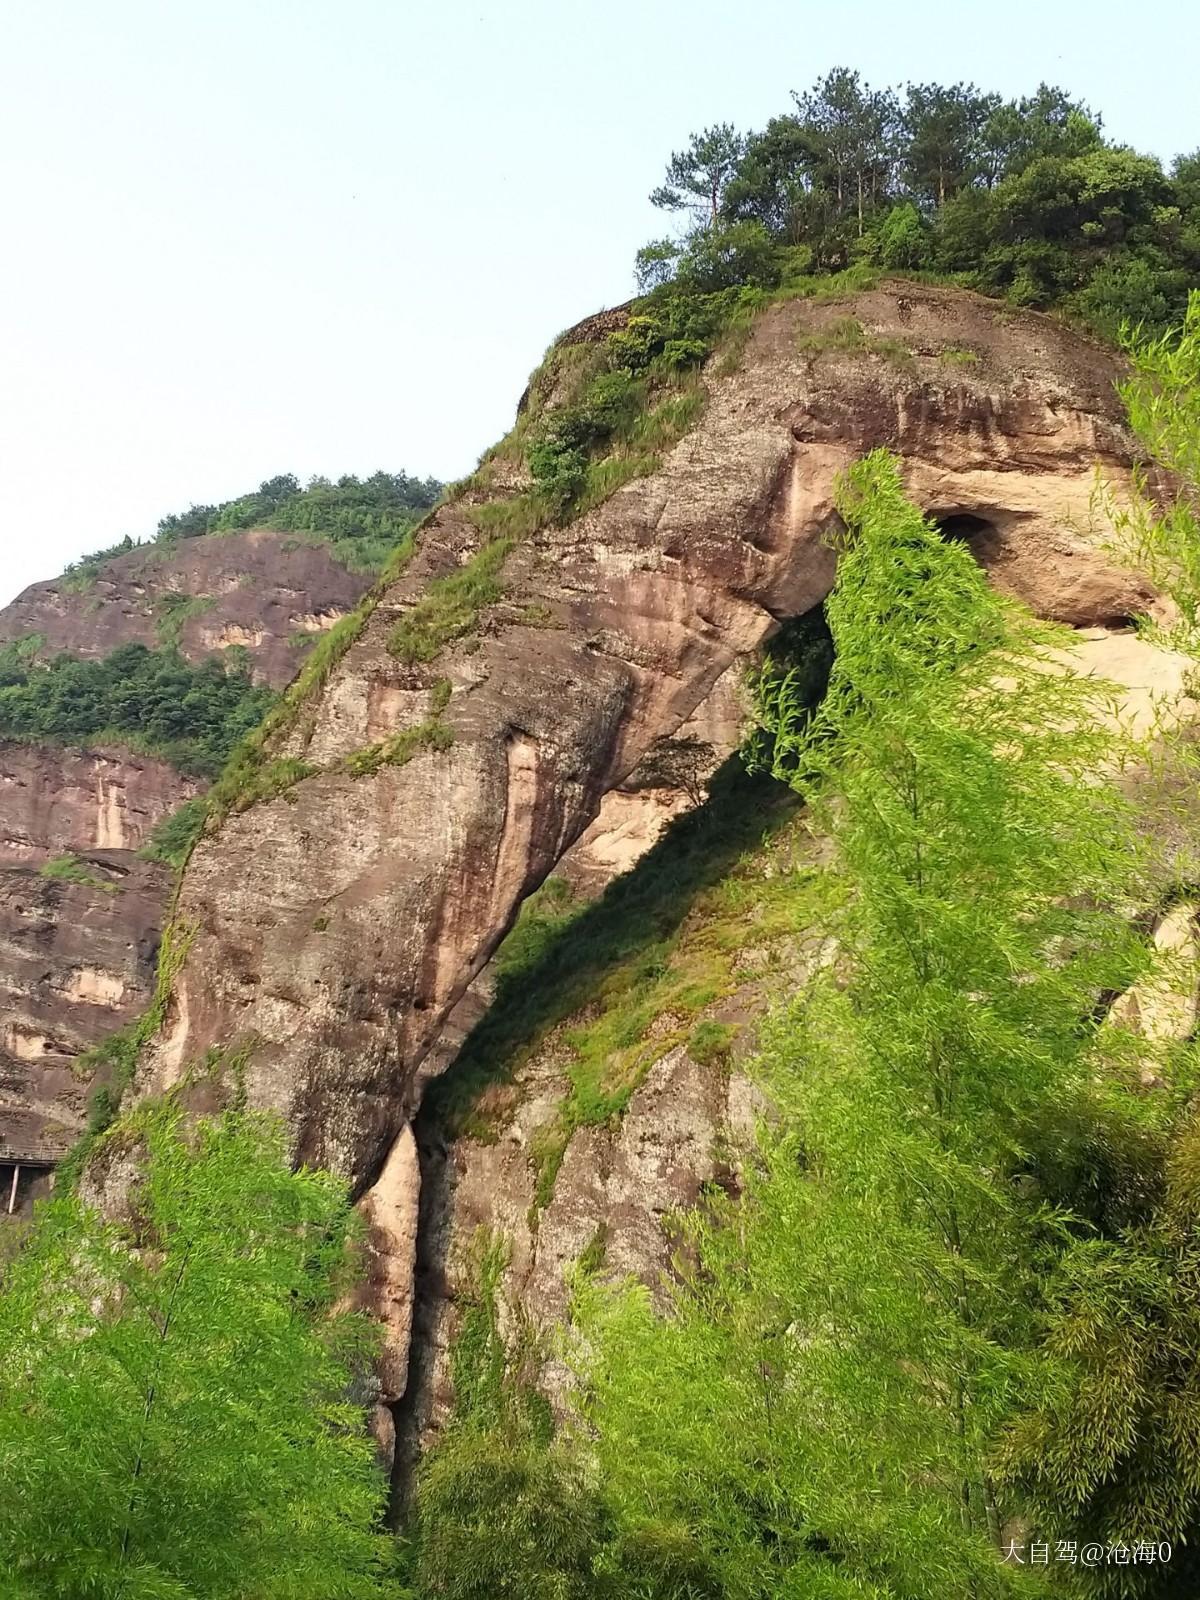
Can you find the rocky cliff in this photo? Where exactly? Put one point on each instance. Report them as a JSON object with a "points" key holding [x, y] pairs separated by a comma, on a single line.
{"points": [[611, 1079], [336, 924], [416, 797], [80, 912], [269, 592]]}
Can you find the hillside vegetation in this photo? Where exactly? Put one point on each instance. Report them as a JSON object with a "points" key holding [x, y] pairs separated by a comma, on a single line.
{"points": [[361, 519], [150, 700], [1024, 198]]}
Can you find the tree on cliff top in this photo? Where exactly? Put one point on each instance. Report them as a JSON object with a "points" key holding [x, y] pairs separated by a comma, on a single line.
{"points": [[173, 1414], [1023, 198]]}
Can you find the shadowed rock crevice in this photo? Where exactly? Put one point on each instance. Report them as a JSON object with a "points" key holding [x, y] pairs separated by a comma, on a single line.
{"points": [[965, 527]]}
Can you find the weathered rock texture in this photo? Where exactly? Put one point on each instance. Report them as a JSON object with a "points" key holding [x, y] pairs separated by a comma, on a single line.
{"points": [[261, 589], [671, 778], [337, 925], [335, 928], [54, 800], [77, 959], [616, 1189]]}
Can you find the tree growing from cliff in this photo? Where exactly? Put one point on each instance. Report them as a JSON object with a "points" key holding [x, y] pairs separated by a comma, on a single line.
{"points": [[819, 1412], [174, 1412]]}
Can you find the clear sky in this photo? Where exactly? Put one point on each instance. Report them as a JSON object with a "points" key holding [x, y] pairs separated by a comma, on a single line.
{"points": [[244, 237]]}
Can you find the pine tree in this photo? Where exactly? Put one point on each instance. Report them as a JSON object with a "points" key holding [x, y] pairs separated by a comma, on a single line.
{"points": [[174, 1419], [697, 177]]}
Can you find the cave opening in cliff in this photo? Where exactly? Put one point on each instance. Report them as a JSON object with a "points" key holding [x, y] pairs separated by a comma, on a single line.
{"points": [[980, 535]]}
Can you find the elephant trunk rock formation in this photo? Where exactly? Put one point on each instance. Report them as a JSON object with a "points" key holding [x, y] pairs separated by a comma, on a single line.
{"points": [[331, 929]]}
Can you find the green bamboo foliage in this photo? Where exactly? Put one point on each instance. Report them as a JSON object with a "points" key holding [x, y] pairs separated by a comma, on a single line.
{"points": [[1162, 397], [1112, 1452], [174, 1419], [818, 1415]]}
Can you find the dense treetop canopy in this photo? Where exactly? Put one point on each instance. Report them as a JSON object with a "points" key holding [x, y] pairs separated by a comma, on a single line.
{"points": [[363, 519], [153, 700], [1024, 198]]}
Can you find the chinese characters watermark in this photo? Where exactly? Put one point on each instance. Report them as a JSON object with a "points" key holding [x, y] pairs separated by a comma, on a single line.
{"points": [[1092, 1554]]}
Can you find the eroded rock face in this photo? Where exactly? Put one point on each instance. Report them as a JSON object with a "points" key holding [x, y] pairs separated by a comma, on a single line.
{"points": [[54, 800], [671, 779], [77, 954], [77, 958], [261, 589], [614, 1194], [336, 927], [76, 962]]}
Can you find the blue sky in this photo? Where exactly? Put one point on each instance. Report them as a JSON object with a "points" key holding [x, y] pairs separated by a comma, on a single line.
{"points": [[244, 237]]}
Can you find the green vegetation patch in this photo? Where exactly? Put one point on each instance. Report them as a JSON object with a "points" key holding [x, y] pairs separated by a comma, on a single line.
{"points": [[362, 520], [79, 577], [202, 1336], [69, 868], [650, 1005], [18, 656], [400, 749], [153, 701], [272, 779], [848, 335], [1022, 199], [172, 610], [710, 1043], [172, 839], [451, 606]]}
